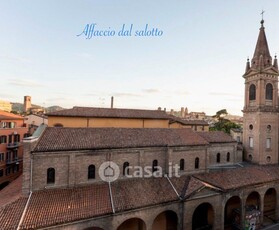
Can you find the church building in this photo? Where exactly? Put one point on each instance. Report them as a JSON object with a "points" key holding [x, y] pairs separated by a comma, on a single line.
{"points": [[218, 186]]}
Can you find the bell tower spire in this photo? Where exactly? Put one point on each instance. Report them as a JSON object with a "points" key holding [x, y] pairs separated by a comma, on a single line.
{"points": [[260, 112], [261, 58]]}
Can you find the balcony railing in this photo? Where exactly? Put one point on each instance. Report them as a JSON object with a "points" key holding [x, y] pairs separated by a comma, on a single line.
{"points": [[13, 145], [13, 161]]}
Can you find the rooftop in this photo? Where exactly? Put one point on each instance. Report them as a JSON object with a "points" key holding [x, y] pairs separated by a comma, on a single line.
{"points": [[64, 205], [216, 137], [241, 177], [59, 139], [9, 116], [110, 113], [186, 121]]}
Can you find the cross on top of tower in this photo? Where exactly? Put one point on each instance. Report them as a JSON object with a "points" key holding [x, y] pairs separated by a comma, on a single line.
{"points": [[262, 13]]}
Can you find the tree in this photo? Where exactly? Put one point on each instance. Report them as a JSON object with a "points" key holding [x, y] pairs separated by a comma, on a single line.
{"points": [[223, 124]]}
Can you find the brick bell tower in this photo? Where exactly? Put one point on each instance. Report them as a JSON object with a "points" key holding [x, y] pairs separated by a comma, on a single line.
{"points": [[260, 127]]}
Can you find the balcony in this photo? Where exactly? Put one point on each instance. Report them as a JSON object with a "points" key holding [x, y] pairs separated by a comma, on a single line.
{"points": [[13, 145], [13, 161]]}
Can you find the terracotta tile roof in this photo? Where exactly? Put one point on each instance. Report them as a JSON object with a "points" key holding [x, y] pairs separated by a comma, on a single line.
{"points": [[10, 214], [193, 186], [112, 113], [56, 138], [11, 192], [135, 193], [186, 185], [240, 177], [187, 122], [58, 206], [9, 116], [216, 137]]}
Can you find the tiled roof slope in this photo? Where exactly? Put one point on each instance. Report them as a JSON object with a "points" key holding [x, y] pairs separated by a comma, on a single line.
{"points": [[216, 137], [56, 138], [135, 193], [9, 116], [58, 206], [111, 113], [186, 185], [240, 177], [11, 192], [10, 214], [186, 122]]}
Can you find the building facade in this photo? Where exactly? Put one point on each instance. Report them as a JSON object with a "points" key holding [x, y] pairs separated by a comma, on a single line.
{"points": [[33, 121], [260, 128], [12, 132], [121, 118]]}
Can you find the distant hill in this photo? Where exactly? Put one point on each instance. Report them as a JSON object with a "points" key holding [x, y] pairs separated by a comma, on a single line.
{"points": [[53, 108], [18, 107]]}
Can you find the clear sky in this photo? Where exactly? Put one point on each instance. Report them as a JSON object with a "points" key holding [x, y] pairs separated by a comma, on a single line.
{"points": [[197, 63]]}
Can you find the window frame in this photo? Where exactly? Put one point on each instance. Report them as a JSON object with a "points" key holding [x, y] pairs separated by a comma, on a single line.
{"points": [[51, 176], [91, 173]]}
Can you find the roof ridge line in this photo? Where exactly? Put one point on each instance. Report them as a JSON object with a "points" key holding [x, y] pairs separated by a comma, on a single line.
{"points": [[111, 198], [172, 186], [24, 211]]}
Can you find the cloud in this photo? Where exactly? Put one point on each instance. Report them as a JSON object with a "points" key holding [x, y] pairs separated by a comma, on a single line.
{"points": [[6, 95], [182, 93], [151, 90], [90, 94], [14, 58], [56, 99], [24, 83], [126, 95], [224, 94]]}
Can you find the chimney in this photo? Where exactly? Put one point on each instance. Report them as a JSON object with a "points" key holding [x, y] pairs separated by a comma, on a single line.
{"points": [[111, 103]]}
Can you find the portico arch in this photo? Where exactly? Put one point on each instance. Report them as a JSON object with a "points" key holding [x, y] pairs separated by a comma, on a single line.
{"points": [[253, 200], [232, 213], [270, 204], [252, 218], [166, 220], [132, 224], [203, 217]]}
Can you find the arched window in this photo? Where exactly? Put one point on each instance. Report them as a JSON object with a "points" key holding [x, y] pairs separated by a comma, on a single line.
{"points": [[218, 158], [125, 169], [268, 92], [50, 176], [91, 172], [197, 163], [252, 92], [182, 163], [154, 166], [228, 157]]}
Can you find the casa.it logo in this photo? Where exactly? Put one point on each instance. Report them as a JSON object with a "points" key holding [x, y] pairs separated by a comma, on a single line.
{"points": [[109, 171]]}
